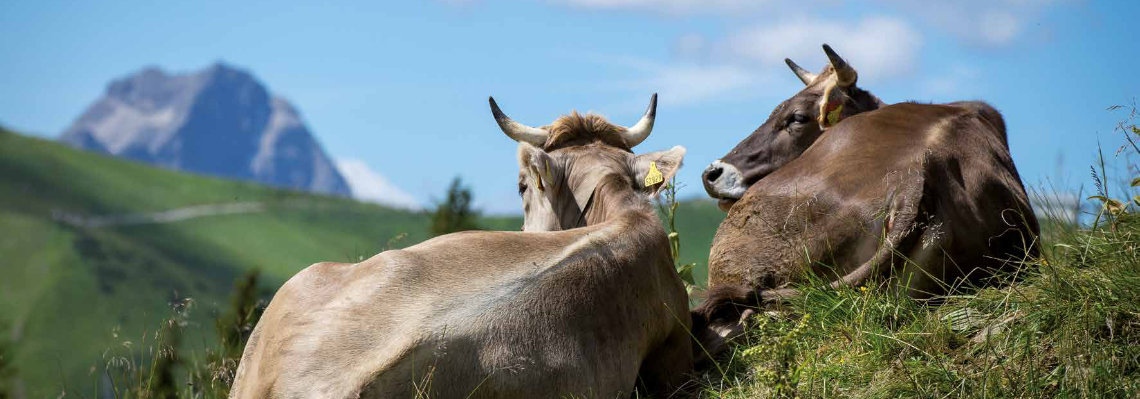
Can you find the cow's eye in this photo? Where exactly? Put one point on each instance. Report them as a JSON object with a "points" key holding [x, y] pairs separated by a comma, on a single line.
{"points": [[800, 118], [522, 188]]}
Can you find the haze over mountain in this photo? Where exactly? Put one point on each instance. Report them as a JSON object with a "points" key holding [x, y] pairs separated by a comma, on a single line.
{"points": [[220, 121]]}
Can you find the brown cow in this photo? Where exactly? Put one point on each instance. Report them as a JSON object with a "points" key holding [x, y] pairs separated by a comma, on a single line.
{"points": [[926, 194], [592, 310]]}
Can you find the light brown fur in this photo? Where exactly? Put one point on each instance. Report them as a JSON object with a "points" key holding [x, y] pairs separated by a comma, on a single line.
{"points": [[577, 129], [591, 311]]}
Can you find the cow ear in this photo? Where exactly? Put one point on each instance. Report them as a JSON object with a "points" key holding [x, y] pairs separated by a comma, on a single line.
{"points": [[654, 170], [536, 165], [831, 106]]}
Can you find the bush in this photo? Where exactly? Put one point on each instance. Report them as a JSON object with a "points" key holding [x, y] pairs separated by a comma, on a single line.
{"points": [[7, 366], [455, 212]]}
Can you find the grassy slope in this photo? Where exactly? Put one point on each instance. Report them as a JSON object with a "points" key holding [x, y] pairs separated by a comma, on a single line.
{"points": [[72, 292], [67, 288], [1069, 328], [697, 221]]}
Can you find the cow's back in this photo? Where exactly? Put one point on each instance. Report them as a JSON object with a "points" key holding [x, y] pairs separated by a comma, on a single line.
{"points": [[298, 348], [466, 314]]}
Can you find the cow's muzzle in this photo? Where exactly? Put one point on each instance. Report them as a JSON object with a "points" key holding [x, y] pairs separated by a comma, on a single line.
{"points": [[723, 182]]}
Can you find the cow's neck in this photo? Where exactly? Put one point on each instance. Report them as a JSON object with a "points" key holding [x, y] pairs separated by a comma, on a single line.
{"points": [[872, 104], [612, 199]]}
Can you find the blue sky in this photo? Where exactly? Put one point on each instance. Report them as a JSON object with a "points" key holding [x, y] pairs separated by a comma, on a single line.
{"points": [[402, 86]]}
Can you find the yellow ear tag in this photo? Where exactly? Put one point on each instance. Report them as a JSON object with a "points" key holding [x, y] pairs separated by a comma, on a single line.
{"points": [[654, 176], [833, 115], [537, 178]]}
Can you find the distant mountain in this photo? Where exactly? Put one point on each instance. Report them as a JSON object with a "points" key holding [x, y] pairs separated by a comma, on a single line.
{"points": [[220, 121]]}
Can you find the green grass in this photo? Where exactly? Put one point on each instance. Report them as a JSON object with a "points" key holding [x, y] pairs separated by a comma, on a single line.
{"points": [[72, 293], [68, 288], [1070, 327]]}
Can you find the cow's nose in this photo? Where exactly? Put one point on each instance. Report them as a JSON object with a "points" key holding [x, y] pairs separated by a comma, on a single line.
{"points": [[722, 181], [712, 173]]}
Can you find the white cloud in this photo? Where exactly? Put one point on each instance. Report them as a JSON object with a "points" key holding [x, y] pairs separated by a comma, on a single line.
{"points": [[672, 6], [999, 27], [367, 185], [987, 23], [1064, 207], [691, 46], [750, 58], [955, 82], [990, 23], [761, 33], [685, 84], [876, 46]]}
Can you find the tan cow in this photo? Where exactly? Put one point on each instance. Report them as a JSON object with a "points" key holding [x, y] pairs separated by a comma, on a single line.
{"points": [[838, 184], [593, 309]]}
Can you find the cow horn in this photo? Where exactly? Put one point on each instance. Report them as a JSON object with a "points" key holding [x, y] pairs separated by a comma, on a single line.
{"points": [[636, 134], [803, 74], [517, 131], [845, 75]]}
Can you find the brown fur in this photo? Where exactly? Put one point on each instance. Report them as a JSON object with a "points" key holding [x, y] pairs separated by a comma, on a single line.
{"points": [[723, 306], [722, 301], [925, 194], [578, 129]]}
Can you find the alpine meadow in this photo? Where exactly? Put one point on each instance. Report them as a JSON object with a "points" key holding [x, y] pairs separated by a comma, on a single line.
{"points": [[473, 199]]}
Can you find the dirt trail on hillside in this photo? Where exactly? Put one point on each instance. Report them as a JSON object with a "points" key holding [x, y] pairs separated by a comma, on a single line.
{"points": [[169, 216]]}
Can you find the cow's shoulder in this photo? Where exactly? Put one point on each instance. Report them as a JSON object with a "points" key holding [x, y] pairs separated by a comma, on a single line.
{"points": [[320, 277]]}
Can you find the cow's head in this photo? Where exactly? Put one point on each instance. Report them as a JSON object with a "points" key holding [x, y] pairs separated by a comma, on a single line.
{"points": [[791, 128], [562, 164]]}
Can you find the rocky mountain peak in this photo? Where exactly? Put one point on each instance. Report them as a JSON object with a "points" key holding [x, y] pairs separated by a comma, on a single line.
{"points": [[218, 121]]}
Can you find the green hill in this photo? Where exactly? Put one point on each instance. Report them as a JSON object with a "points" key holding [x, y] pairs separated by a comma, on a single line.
{"points": [[70, 283], [696, 221], [96, 248]]}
